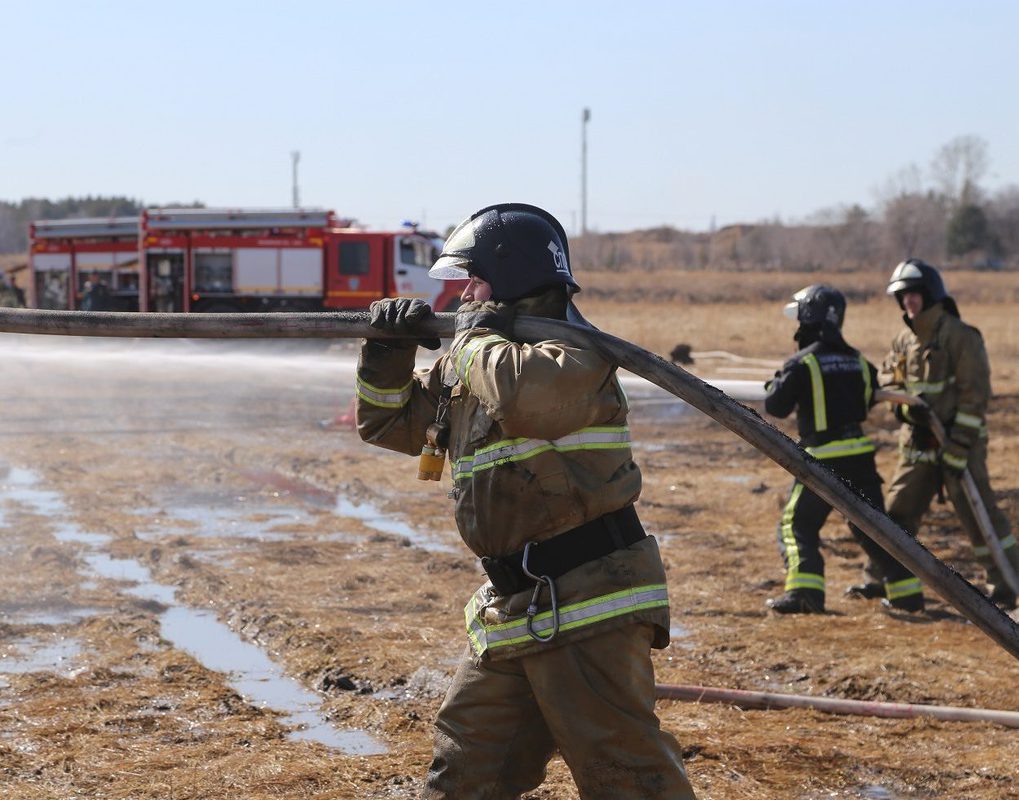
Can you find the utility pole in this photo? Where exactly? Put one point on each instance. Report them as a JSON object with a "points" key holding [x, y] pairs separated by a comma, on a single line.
{"points": [[295, 156], [585, 117]]}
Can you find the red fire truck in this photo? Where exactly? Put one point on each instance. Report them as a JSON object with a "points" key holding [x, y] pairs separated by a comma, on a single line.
{"points": [[218, 260], [281, 259], [69, 257]]}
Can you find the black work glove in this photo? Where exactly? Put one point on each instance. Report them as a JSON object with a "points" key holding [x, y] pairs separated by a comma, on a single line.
{"points": [[486, 314], [913, 415], [401, 315]]}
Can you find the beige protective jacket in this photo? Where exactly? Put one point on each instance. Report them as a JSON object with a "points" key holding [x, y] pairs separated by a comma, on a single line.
{"points": [[943, 360], [538, 445]]}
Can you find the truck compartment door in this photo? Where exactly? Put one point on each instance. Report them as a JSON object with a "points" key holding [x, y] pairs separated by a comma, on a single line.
{"points": [[256, 270], [301, 271]]}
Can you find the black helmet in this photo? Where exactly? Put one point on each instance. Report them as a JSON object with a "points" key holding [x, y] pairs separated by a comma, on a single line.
{"points": [[817, 304], [914, 275], [515, 247]]}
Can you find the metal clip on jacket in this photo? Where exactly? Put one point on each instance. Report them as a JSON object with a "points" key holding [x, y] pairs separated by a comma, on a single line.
{"points": [[532, 608]]}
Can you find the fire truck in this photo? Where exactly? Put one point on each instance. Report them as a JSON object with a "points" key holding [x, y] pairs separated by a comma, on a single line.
{"points": [[69, 257], [222, 260]]}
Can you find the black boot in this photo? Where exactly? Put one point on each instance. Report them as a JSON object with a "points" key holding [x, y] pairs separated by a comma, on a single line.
{"points": [[1003, 597], [798, 601], [912, 603], [868, 591]]}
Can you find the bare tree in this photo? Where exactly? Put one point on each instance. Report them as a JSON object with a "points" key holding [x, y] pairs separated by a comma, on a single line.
{"points": [[958, 167], [844, 237], [1003, 215], [915, 226]]}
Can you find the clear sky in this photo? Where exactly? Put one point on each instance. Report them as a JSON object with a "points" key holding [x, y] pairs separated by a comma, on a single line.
{"points": [[732, 111]]}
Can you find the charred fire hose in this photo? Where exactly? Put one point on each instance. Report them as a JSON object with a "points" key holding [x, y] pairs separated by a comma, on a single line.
{"points": [[740, 420]]}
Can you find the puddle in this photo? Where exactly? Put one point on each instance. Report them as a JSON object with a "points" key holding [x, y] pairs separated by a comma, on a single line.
{"points": [[129, 570], [258, 678], [250, 671], [680, 636], [213, 515], [679, 632], [875, 792], [45, 613], [69, 533], [362, 510], [37, 655], [369, 514], [20, 485]]}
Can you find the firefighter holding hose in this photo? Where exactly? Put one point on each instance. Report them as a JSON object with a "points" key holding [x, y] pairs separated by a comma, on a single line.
{"points": [[943, 360], [831, 386], [543, 490]]}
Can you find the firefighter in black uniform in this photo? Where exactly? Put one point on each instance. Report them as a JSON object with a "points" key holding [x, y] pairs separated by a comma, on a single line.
{"points": [[831, 386]]}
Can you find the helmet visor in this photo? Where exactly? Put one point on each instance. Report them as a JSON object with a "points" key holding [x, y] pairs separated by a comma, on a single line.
{"points": [[454, 259], [450, 268], [906, 276], [792, 310]]}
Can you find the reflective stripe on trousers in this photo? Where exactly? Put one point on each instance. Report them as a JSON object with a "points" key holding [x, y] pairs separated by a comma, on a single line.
{"points": [[587, 612], [794, 578]]}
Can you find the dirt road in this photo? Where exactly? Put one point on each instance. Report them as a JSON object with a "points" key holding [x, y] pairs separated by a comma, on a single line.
{"points": [[205, 595]]}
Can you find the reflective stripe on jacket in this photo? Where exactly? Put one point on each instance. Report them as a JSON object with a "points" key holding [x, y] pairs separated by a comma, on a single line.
{"points": [[538, 445], [831, 388]]}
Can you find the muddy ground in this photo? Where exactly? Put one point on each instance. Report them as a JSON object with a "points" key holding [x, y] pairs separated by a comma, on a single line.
{"points": [[171, 515]]}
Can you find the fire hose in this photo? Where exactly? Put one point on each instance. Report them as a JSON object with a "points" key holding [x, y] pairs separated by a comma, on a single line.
{"points": [[739, 419], [833, 705]]}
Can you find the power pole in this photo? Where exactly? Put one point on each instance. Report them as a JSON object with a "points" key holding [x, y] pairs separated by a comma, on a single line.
{"points": [[295, 156], [585, 117]]}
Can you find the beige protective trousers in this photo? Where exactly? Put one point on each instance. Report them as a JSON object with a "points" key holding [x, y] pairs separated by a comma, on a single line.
{"points": [[593, 700], [914, 486]]}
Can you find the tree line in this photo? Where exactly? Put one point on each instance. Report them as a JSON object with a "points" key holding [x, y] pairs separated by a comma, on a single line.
{"points": [[16, 217], [941, 214]]}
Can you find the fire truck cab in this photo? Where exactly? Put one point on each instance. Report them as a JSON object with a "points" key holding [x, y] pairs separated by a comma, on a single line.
{"points": [[219, 260]]}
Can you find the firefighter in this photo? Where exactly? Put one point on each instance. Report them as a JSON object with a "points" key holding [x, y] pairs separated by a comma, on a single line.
{"points": [[543, 489], [96, 295], [9, 294], [830, 385], [943, 360]]}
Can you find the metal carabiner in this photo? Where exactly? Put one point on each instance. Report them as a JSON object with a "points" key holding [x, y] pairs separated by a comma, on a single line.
{"points": [[532, 608]]}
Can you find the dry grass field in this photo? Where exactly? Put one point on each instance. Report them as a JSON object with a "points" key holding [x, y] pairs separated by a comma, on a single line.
{"points": [[742, 312], [141, 486]]}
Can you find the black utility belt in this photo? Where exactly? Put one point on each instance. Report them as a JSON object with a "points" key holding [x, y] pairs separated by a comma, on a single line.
{"points": [[560, 554]]}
